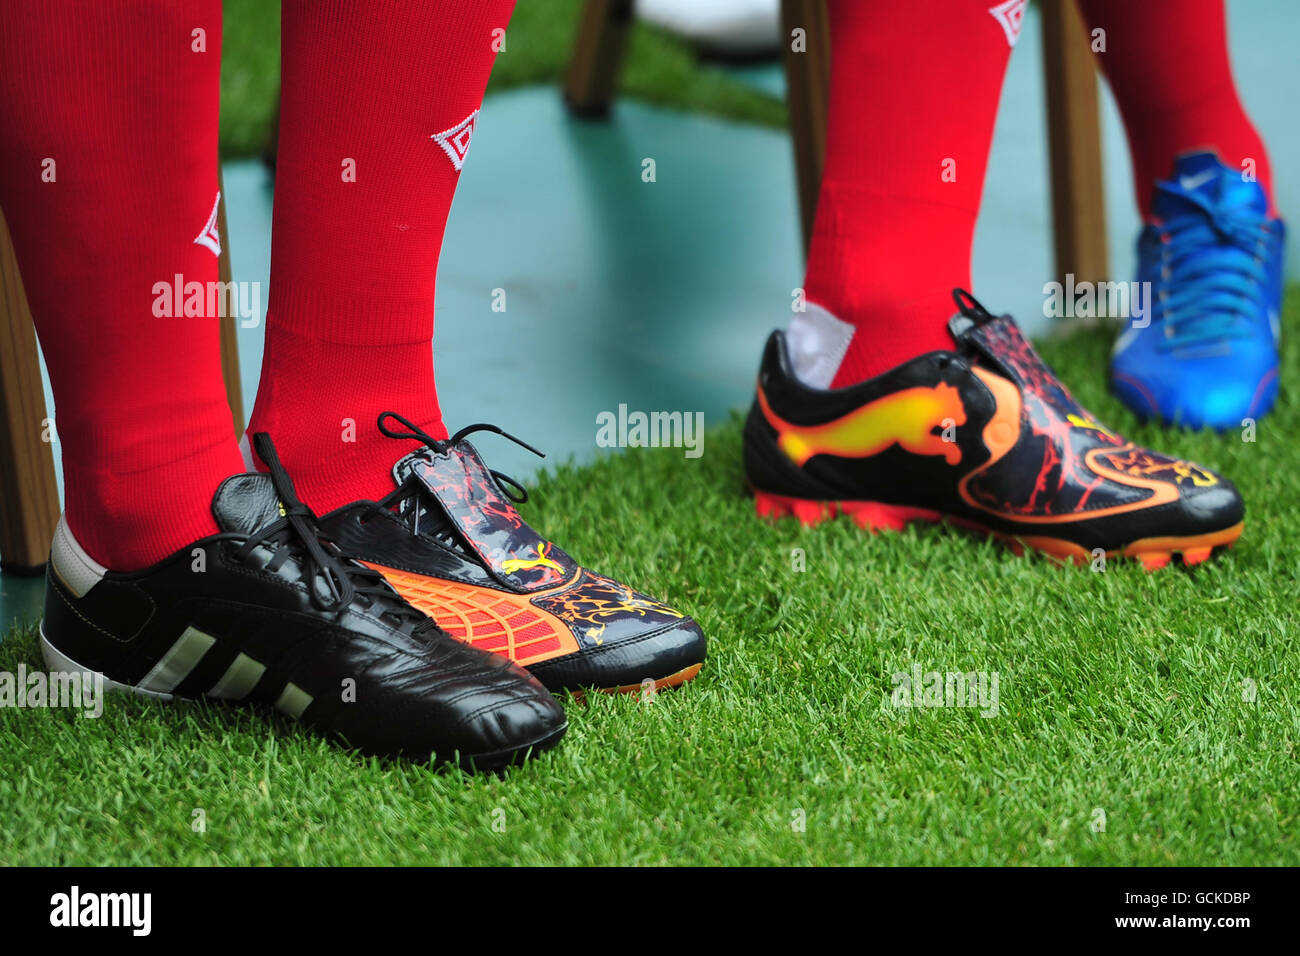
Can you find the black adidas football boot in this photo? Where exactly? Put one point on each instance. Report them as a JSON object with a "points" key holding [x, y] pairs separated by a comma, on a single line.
{"points": [[986, 437], [450, 540], [267, 612]]}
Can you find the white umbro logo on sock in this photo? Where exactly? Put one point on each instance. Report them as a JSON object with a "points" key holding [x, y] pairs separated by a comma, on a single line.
{"points": [[209, 237], [1009, 16], [455, 141]]}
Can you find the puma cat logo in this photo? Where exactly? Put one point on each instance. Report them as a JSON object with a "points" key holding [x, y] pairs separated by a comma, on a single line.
{"points": [[907, 418]]}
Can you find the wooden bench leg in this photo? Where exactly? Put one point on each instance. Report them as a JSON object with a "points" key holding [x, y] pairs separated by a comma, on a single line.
{"points": [[597, 55], [29, 494], [229, 324], [808, 77], [1074, 137]]}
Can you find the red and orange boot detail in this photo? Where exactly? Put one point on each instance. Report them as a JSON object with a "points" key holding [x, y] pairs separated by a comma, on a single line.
{"points": [[450, 540]]}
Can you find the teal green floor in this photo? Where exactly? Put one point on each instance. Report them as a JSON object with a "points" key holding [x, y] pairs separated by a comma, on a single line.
{"points": [[20, 600]]}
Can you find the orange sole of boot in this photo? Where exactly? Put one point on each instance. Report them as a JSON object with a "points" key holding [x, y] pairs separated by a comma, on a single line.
{"points": [[672, 680], [874, 516]]}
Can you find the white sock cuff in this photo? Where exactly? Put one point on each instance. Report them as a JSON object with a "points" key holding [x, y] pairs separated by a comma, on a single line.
{"points": [[818, 342]]}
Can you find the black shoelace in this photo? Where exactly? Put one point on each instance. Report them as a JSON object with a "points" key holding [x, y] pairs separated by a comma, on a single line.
{"points": [[971, 307], [297, 534], [407, 498]]}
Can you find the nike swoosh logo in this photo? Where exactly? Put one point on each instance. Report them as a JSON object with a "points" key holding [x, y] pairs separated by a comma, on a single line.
{"points": [[1200, 179]]}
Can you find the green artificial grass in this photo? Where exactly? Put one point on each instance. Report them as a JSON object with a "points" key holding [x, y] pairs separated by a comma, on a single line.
{"points": [[1121, 693], [658, 68]]}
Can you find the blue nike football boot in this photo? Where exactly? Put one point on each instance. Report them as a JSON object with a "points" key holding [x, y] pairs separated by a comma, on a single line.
{"points": [[1205, 354]]}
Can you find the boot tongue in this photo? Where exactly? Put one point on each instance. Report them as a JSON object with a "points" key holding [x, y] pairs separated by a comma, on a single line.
{"points": [[423, 515], [1201, 182], [247, 503], [998, 343], [459, 485], [405, 466]]}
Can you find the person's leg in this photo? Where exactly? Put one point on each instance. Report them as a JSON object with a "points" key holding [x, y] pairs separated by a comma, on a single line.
{"points": [[907, 143], [108, 176], [370, 151], [117, 107], [392, 86], [1167, 63], [1205, 352], [907, 411]]}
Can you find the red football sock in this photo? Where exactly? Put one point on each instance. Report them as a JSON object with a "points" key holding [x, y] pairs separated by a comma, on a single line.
{"points": [[1167, 63], [907, 143], [386, 88], [108, 175]]}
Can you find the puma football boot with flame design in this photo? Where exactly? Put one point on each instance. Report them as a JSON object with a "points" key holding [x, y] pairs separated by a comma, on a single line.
{"points": [[450, 540], [985, 437], [267, 613]]}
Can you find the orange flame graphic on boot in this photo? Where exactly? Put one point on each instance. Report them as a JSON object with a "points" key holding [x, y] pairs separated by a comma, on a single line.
{"points": [[906, 418]]}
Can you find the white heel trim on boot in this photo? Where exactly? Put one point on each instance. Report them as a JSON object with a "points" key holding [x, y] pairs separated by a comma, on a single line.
{"points": [[61, 663], [76, 569]]}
